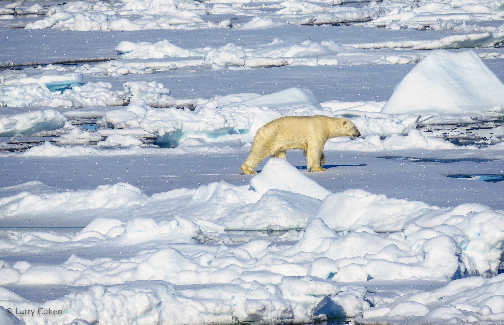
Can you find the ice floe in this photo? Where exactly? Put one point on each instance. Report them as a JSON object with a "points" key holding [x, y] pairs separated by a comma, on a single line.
{"points": [[30, 123], [169, 14], [85, 16], [257, 280], [280, 248], [447, 82], [470, 300]]}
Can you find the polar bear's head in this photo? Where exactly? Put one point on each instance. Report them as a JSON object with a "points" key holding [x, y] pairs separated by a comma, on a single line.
{"points": [[345, 128]]}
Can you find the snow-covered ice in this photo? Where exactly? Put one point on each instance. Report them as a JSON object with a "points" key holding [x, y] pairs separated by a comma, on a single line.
{"points": [[178, 238], [448, 87], [123, 125]]}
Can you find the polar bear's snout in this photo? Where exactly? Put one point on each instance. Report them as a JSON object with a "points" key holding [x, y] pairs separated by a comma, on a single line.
{"points": [[352, 130]]}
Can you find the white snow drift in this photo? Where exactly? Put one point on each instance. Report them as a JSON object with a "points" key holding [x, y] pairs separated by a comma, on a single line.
{"points": [[30, 123], [450, 83], [384, 239]]}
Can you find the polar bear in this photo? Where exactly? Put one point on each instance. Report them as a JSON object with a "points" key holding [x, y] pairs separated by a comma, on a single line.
{"points": [[308, 133]]}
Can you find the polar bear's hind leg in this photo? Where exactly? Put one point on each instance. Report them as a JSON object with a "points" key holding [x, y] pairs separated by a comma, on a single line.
{"points": [[280, 154]]}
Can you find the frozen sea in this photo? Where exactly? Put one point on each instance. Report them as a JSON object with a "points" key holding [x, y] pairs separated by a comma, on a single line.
{"points": [[123, 126]]}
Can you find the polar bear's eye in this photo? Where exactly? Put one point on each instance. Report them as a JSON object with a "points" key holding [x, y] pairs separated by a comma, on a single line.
{"points": [[345, 122]]}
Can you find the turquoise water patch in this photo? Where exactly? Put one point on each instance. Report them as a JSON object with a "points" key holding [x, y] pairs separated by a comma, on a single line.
{"points": [[61, 86], [173, 139], [490, 178], [90, 127]]}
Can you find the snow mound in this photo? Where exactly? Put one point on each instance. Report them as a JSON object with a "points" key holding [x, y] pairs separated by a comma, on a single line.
{"points": [[28, 206], [471, 300], [239, 116], [279, 174], [84, 16], [60, 91], [345, 237], [32, 92], [54, 82], [447, 82], [233, 117], [291, 211], [117, 140], [150, 301], [259, 23], [271, 54], [160, 49], [474, 40], [30, 123], [352, 209], [414, 139], [292, 98], [342, 17]]}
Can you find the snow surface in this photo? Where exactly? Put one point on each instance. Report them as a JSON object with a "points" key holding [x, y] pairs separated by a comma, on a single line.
{"points": [[452, 90], [162, 237], [123, 125]]}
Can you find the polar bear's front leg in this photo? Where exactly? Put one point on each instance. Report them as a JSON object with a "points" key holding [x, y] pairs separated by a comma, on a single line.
{"points": [[252, 161], [317, 169], [247, 169], [257, 154], [315, 159]]}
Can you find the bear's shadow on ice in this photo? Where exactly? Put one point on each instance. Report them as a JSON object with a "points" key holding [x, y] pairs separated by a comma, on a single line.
{"points": [[334, 166]]}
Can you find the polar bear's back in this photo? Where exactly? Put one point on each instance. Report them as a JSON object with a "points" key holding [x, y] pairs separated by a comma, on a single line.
{"points": [[293, 132], [295, 125]]}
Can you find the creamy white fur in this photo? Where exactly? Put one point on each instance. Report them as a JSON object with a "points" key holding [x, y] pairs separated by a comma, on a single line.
{"points": [[308, 133]]}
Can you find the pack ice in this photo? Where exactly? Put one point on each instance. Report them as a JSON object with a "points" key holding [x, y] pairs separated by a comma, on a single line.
{"points": [[174, 260], [129, 15], [443, 83], [178, 257]]}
